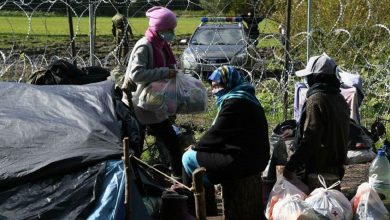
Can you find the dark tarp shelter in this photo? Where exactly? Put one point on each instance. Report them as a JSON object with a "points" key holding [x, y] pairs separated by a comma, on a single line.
{"points": [[54, 144], [47, 130]]}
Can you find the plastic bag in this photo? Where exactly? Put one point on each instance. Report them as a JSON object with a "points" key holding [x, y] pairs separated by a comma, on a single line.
{"points": [[191, 94], [180, 95], [281, 190], [153, 96], [293, 207], [367, 205], [360, 156], [329, 202]]}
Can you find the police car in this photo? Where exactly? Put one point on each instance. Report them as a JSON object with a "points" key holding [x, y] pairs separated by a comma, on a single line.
{"points": [[216, 42]]}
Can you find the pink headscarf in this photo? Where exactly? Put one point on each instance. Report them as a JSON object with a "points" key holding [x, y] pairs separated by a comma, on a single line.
{"points": [[160, 18]]}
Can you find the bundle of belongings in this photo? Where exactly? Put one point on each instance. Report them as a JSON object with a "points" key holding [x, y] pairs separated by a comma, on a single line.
{"points": [[286, 201], [183, 94], [329, 203], [366, 204], [61, 72], [61, 150]]}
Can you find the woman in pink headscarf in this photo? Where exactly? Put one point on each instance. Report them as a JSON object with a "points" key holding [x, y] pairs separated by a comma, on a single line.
{"points": [[151, 60]]}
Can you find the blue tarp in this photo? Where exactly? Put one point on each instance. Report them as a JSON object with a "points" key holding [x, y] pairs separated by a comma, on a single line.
{"points": [[110, 205]]}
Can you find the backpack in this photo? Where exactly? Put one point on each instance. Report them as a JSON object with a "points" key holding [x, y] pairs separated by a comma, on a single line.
{"points": [[61, 72]]}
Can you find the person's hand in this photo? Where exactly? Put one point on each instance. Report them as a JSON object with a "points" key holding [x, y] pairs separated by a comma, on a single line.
{"points": [[288, 174], [287, 133], [172, 73]]}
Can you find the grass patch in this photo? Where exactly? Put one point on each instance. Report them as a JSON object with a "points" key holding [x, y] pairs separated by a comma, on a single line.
{"points": [[39, 25], [42, 25]]}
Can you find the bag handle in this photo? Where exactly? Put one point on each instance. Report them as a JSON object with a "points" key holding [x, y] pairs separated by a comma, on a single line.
{"points": [[323, 182]]}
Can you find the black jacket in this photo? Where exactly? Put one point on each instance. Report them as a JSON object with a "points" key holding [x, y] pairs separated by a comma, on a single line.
{"points": [[237, 144]]}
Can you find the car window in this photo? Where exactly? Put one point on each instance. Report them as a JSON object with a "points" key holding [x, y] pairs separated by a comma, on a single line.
{"points": [[218, 37]]}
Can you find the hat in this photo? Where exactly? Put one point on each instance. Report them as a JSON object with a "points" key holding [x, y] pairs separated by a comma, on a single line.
{"points": [[321, 64], [161, 18]]}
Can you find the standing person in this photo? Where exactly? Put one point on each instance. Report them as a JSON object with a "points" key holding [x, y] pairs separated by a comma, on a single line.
{"points": [[252, 23], [121, 31], [151, 60], [321, 139], [236, 145]]}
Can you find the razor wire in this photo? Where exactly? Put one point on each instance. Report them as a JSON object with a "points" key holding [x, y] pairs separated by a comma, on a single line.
{"points": [[358, 38]]}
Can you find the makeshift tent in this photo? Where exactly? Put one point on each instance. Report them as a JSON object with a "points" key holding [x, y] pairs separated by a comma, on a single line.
{"points": [[56, 143]]}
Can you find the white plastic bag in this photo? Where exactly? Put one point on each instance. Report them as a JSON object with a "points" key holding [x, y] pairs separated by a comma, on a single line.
{"points": [[281, 190], [191, 94], [153, 96], [329, 202], [367, 205], [294, 208], [183, 94]]}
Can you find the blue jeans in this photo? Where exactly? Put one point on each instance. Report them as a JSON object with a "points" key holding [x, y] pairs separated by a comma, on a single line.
{"points": [[190, 164]]}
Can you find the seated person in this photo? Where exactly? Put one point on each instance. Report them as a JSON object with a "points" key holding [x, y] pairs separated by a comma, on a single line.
{"points": [[236, 145]]}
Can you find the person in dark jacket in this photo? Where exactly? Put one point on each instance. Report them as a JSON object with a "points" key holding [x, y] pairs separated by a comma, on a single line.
{"points": [[236, 145], [252, 23], [321, 139]]}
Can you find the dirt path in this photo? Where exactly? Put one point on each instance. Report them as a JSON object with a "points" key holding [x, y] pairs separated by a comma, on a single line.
{"points": [[355, 174]]}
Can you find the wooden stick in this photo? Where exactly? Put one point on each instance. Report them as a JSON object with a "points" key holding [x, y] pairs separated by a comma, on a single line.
{"points": [[163, 174], [127, 168], [197, 185]]}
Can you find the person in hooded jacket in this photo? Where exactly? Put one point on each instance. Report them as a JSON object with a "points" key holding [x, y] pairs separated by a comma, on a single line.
{"points": [[152, 60], [322, 134], [236, 145]]}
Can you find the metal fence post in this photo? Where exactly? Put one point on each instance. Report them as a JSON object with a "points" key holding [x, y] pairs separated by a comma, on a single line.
{"points": [[91, 32]]}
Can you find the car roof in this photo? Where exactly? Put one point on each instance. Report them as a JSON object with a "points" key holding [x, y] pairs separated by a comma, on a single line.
{"points": [[219, 25]]}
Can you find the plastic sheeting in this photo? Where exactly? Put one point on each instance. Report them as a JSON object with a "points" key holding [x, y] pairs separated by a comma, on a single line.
{"points": [[66, 197], [46, 130], [110, 204]]}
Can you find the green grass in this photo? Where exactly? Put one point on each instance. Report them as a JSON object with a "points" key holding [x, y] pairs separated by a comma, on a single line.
{"points": [[40, 25], [59, 25]]}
